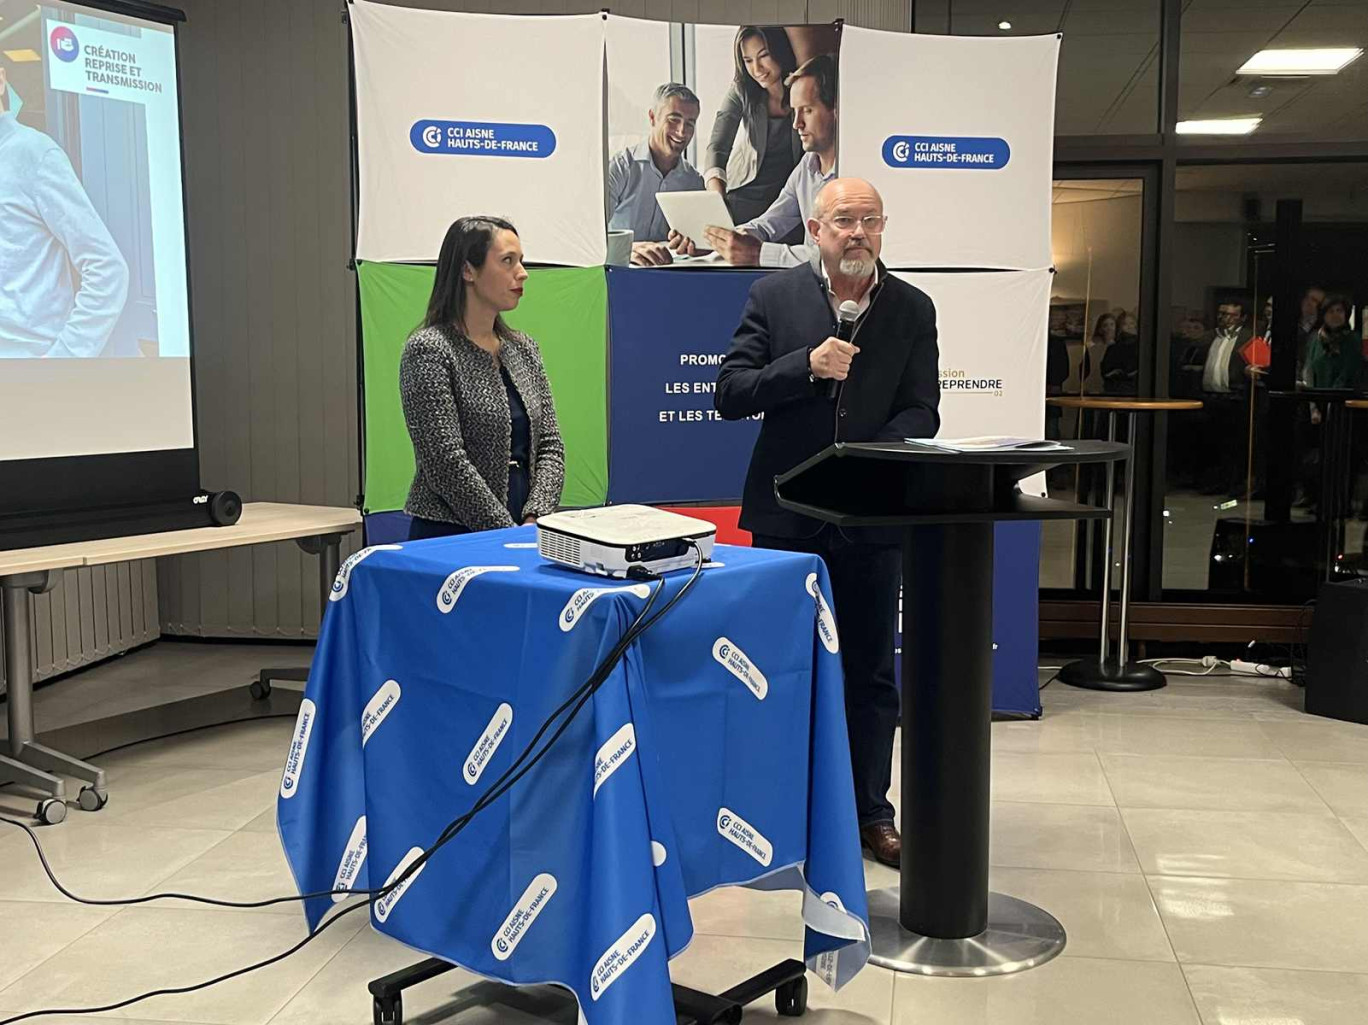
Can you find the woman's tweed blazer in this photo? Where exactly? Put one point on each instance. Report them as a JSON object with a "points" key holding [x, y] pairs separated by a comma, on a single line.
{"points": [[457, 414]]}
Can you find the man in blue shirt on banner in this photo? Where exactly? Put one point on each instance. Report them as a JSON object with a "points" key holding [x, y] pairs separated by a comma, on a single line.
{"points": [[815, 389], [656, 164]]}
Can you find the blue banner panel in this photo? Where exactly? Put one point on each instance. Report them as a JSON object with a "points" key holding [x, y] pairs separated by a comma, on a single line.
{"points": [[668, 331], [1016, 620]]}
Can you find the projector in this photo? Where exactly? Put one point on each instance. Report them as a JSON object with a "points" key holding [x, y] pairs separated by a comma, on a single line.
{"points": [[608, 541]]}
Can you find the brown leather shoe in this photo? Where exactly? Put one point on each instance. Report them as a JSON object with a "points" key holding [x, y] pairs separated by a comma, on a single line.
{"points": [[883, 841]]}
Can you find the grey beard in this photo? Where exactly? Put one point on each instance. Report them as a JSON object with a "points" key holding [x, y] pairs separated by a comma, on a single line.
{"points": [[856, 266]]}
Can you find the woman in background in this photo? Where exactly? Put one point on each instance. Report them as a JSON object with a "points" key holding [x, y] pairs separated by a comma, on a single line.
{"points": [[1121, 362], [1334, 355], [1104, 334], [749, 166], [486, 446]]}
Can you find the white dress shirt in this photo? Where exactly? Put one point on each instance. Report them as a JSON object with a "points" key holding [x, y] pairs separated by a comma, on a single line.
{"points": [[1216, 373]]}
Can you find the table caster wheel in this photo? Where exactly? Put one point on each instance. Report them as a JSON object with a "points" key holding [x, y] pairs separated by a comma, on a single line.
{"points": [[389, 1011], [261, 689], [91, 799], [50, 812], [790, 999]]}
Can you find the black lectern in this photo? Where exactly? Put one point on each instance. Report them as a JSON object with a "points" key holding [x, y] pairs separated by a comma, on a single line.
{"points": [[941, 919]]}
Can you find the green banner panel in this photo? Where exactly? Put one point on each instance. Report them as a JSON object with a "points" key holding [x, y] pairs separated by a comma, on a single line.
{"points": [[565, 309]]}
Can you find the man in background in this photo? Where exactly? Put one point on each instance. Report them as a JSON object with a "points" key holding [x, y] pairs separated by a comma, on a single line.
{"points": [[757, 243], [654, 165], [782, 361], [63, 281], [1216, 373]]}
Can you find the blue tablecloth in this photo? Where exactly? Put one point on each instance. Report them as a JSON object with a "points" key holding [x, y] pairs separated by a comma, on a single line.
{"points": [[714, 754]]}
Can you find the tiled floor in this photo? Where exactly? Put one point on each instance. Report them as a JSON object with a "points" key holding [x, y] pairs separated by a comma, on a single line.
{"points": [[1204, 846]]}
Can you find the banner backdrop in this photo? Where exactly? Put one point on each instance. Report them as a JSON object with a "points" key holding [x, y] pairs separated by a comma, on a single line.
{"points": [[667, 442], [564, 310], [474, 113], [957, 133], [992, 352]]}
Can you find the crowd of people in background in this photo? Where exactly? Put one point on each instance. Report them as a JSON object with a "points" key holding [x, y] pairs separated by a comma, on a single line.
{"points": [[1218, 361]]}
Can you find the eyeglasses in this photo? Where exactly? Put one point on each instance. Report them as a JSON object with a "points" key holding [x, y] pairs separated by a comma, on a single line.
{"points": [[873, 224]]}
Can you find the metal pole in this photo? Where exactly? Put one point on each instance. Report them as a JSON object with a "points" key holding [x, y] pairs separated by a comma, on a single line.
{"points": [[1107, 548], [18, 662], [1123, 647], [946, 715], [329, 560]]}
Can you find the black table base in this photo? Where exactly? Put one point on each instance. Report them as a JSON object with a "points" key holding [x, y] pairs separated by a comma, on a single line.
{"points": [[1093, 675], [941, 919], [787, 981]]}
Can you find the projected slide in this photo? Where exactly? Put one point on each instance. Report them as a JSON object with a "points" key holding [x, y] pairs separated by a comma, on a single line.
{"points": [[92, 232]]}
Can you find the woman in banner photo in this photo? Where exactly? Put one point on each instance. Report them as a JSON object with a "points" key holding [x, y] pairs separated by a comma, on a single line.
{"points": [[486, 446], [753, 148]]}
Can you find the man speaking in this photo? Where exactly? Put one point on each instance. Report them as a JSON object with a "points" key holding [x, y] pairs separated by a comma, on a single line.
{"points": [[814, 389]]}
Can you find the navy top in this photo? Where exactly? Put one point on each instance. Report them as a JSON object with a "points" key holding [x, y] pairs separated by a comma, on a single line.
{"points": [[520, 443]]}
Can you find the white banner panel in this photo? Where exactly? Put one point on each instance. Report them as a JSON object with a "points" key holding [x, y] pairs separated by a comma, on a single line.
{"points": [[992, 329], [638, 59], [462, 114], [957, 133]]}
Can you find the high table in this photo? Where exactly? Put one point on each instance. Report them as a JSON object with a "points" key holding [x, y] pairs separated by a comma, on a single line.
{"points": [[714, 754], [28, 571], [1104, 673], [941, 919]]}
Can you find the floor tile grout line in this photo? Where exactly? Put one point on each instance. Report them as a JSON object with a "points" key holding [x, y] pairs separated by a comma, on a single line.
{"points": [[291, 998], [1361, 841], [23, 975], [1163, 924], [1273, 968]]}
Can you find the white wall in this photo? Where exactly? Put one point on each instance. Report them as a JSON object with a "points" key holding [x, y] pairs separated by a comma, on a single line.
{"points": [[1108, 230]]}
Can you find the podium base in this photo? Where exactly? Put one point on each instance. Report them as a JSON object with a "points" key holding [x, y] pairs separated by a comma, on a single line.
{"points": [[1088, 674], [1019, 936]]}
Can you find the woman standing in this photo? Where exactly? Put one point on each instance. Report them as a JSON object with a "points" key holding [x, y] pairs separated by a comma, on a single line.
{"points": [[1104, 334], [752, 174], [486, 447], [1334, 356]]}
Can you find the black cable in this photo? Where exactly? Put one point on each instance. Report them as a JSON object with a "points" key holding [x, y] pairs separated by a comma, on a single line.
{"points": [[579, 698], [638, 626], [178, 990]]}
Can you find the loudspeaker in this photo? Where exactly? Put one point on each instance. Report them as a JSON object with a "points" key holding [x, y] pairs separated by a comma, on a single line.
{"points": [[225, 508], [1337, 667]]}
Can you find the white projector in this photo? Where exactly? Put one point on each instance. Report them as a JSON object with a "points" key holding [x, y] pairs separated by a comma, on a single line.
{"points": [[609, 540]]}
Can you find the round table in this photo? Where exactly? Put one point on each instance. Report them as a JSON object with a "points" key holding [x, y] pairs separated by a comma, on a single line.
{"points": [[1105, 673]]}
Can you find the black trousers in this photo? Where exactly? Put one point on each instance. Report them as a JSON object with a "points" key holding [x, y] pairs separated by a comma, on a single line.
{"points": [[864, 579]]}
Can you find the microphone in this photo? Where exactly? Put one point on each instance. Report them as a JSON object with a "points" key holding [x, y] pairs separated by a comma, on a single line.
{"points": [[845, 328]]}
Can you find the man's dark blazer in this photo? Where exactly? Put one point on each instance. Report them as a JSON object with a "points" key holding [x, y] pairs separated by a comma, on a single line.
{"points": [[1193, 365], [893, 391]]}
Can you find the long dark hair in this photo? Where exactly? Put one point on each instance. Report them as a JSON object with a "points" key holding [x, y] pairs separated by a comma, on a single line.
{"points": [[467, 242], [777, 43]]}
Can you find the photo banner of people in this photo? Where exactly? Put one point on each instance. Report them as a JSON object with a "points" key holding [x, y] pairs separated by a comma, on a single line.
{"points": [[736, 131]]}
